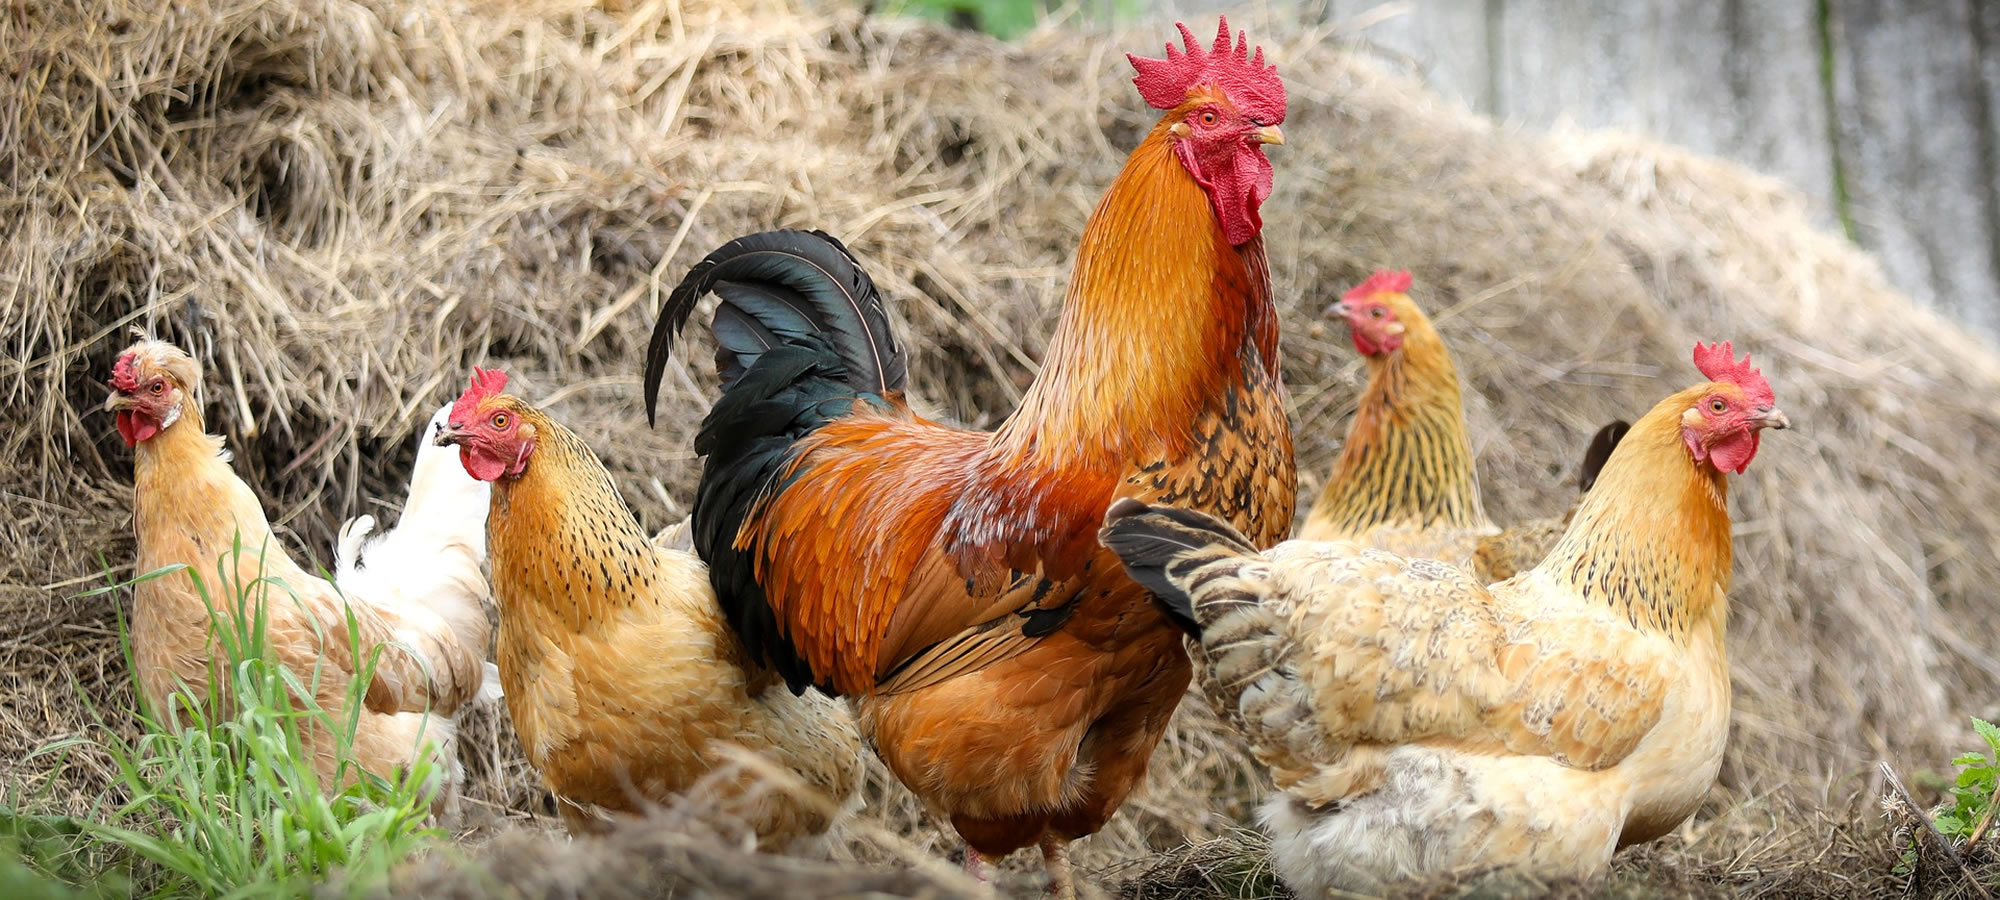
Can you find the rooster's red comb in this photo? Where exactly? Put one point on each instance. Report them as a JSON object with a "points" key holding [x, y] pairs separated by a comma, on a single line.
{"points": [[124, 375], [486, 383], [1718, 362], [1249, 83], [1391, 281]]}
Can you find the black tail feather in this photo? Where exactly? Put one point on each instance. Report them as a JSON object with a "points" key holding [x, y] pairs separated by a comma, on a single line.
{"points": [[1157, 543], [801, 337], [1599, 453], [777, 287], [750, 438]]}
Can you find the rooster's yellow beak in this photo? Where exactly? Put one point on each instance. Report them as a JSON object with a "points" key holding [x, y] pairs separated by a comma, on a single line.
{"points": [[1269, 134]]}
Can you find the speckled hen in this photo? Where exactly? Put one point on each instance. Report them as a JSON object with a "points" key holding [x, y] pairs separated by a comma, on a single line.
{"points": [[624, 682], [1416, 721]]}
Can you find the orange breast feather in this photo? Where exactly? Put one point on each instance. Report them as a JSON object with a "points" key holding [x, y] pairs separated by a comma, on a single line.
{"points": [[895, 534]]}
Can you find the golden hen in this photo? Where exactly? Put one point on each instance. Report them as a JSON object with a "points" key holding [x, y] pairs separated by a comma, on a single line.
{"points": [[623, 679], [1405, 481], [1417, 721], [189, 508]]}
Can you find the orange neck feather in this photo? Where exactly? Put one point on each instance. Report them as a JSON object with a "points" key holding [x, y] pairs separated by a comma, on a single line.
{"points": [[180, 448], [183, 472], [1652, 537], [1160, 313], [560, 534], [1406, 460]]}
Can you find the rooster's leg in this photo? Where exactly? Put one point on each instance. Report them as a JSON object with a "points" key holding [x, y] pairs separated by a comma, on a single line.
{"points": [[1055, 859], [978, 866]]}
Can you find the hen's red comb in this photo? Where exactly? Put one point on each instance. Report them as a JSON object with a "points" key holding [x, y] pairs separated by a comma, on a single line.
{"points": [[124, 376], [1718, 363], [485, 383], [1393, 281], [1249, 83]]}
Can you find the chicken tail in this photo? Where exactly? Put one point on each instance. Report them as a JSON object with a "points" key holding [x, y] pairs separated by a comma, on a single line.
{"points": [[426, 576], [1219, 587], [1599, 452], [802, 339], [1169, 551], [778, 287]]}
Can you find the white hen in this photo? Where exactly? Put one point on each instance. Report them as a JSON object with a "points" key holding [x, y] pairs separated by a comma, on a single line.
{"points": [[433, 560]]}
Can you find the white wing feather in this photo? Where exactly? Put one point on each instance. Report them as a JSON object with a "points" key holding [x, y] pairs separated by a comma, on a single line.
{"points": [[429, 570]]}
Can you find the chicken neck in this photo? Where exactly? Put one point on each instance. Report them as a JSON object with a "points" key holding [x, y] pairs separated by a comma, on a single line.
{"points": [[1162, 314], [187, 504], [1651, 539], [561, 536], [1406, 460]]}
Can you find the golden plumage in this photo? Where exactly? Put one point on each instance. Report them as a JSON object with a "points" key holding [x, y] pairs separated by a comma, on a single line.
{"points": [[1405, 481], [1418, 720], [625, 683], [190, 508]]}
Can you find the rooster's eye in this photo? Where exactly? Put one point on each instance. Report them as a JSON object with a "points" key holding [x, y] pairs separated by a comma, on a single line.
{"points": [[1717, 405], [1208, 118], [500, 420]]}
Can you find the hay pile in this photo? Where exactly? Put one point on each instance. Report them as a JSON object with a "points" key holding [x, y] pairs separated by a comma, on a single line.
{"points": [[341, 206]]}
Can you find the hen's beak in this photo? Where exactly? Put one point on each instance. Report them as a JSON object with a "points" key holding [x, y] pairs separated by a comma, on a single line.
{"points": [[1771, 417], [119, 400], [1268, 134], [1337, 309], [451, 433]]}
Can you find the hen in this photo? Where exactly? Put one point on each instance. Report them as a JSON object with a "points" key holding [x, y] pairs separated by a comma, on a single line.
{"points": [[435, 557], [190, 509], [1417, 721], [625, 684], [1004, 667], [1404, 481]]}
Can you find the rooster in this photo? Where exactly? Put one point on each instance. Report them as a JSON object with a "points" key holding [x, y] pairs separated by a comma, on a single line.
{"points": [[1405, 481], [1417, 721], [625, 684], [1004, 667], [190, 509]]}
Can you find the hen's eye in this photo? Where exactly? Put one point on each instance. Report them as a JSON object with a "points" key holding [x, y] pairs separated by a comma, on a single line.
{"points": [[499, 420], [159, 387], [1377, 312], [1717, 405], [1208, 118]]}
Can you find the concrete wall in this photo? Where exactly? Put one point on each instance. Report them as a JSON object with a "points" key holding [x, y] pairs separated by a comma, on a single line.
{"points": [[1883, 113]]}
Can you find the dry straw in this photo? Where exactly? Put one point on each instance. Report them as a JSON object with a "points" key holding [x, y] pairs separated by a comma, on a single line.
{"points": [[341, 206]]}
